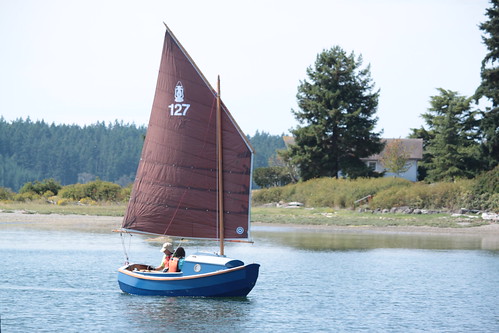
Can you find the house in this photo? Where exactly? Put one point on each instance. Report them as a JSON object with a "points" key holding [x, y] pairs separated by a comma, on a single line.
{"points": [[413, 148]]}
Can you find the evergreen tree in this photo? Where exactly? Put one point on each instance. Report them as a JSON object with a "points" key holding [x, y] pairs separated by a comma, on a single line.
{"points": [[453, 149], [337, 107], [489, 88], [427, 136]]}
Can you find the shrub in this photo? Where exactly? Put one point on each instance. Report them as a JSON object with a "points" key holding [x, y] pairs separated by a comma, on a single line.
{"points": [[492, 204], [328, 192], [48, 194], [487, 182], [64, 202], [6, 194], [26, 196], [41, 187], [74, 192], [445, 195], [87, 201], [484, 194], [125, 193], [388, 193], [267, 195], [97, 190]]}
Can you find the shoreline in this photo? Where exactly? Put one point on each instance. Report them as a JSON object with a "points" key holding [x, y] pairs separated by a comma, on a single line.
{"points": [[490, 229], [103, 223]]}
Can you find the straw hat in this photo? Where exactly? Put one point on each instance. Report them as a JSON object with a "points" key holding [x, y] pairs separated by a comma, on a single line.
{"points": [[167, 246]]}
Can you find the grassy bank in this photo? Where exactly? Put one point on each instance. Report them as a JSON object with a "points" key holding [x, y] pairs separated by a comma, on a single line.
{"points": [[481, 193], [273, 215]]}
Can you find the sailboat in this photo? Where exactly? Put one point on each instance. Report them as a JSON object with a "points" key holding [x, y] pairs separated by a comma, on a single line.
{"points": [[193, 182]]}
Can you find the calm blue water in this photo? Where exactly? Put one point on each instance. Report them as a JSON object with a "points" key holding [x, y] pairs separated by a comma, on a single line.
{"points": [[309, 282]]}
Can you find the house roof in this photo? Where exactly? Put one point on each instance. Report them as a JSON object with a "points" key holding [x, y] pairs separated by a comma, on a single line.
{"points": [[288, 140], [414, 147]]}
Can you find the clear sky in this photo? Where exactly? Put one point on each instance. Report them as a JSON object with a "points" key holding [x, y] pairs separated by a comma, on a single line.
{"points": [[84, 61]]}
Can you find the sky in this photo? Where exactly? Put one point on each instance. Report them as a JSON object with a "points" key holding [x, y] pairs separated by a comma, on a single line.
{"points": [[87, 61]]}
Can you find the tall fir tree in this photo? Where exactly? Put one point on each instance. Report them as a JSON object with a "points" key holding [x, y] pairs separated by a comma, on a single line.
{"points": [[337, 110], [427, 135], [489, 88], [453, 149]]}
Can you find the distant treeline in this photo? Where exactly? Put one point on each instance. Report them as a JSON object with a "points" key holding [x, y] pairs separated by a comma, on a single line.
{"points": [[266, 146], [71, 154]]}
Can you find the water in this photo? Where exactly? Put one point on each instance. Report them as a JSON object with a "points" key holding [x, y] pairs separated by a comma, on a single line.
{"points": [[309, 282]]}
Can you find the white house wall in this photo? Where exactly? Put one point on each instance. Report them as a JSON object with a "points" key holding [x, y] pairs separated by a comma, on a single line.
{"points": [[411, 174]]}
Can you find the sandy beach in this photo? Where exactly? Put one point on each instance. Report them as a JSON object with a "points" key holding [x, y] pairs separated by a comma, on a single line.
{"points": [[60, 222], [109, 223]]}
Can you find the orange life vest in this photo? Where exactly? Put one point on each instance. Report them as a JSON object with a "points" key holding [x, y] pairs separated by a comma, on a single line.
{"points": [[173, 265], [166, 261]]}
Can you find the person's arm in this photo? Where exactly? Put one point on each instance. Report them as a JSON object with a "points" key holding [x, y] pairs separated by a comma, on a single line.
{"points": [[162, 266]]}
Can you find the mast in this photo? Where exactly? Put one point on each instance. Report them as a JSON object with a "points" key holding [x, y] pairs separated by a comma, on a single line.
{"points": [[220, 170]]}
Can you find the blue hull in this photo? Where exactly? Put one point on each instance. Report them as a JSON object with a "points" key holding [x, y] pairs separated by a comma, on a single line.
{"points": [[228, 282]]}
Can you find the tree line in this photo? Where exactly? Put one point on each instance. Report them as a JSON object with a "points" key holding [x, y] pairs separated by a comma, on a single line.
{"points": [[71, 154]]}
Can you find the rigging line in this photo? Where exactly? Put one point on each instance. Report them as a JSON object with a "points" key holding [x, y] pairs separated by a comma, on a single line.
{"points": [[213, 108], [176, 210], [179, 243], [124, 247]]}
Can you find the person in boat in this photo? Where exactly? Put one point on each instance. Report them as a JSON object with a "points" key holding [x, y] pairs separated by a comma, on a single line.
{"points": [[167, 250], [176, 262]]}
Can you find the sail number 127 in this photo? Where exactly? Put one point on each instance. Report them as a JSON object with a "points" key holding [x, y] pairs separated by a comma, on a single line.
{"points": [[178, 109]]}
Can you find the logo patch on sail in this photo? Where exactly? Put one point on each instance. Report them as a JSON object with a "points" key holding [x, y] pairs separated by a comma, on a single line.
{"points": [[179, 108], [240, 230], [179, 92]]}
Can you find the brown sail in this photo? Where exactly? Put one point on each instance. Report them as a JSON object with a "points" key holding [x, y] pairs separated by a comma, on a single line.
{"points": [[175, 191]]}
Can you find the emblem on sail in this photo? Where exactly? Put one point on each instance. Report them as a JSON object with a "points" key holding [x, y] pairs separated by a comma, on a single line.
{"points": [[179, 108], [179, 92]]}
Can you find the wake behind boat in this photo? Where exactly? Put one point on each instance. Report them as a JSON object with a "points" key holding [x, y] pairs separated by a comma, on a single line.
{"points": [[193, 181]]}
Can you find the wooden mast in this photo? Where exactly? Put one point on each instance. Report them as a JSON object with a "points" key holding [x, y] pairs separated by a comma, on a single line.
{"points": [[220, 170]]}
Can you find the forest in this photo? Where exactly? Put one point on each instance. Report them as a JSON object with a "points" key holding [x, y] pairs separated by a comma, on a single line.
{"points": [[70, 154]]}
